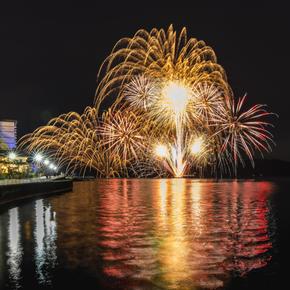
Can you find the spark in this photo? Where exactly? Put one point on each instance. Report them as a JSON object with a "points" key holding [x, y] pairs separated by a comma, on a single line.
{"points": [[141, 92], [244, 131], [122, 134], [176, 97], [161, 151], [197, 146], [166, 89]]}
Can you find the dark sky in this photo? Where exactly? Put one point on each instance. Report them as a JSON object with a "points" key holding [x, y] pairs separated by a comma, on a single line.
{"points": [[49, 55]]}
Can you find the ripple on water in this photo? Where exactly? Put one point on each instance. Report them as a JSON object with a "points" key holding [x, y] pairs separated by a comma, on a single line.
{"points": [[141, 234]]}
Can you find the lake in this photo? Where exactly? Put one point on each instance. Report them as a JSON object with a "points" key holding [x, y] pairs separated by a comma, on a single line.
{"points": [[149, 234]]}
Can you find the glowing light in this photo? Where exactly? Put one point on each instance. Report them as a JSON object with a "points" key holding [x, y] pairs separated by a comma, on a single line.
{"points": [[46, 162], [161, 151], [38, 157], [176, 96], [12, 155], [163, 87], [173, 153], [52, 166], [197, 145]]}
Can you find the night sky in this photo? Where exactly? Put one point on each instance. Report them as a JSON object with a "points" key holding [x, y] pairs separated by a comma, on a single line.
{"points": [[49, 55]]}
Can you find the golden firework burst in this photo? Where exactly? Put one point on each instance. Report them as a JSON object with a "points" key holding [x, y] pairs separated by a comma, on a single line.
{"points": [[173, 113]]}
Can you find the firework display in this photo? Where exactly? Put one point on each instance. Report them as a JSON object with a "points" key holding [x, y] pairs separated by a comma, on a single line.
{"points": [[172, 113]]}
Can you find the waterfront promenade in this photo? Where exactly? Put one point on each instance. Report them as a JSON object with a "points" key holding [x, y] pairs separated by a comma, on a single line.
{"points": [[29, 180], [13, 190]]}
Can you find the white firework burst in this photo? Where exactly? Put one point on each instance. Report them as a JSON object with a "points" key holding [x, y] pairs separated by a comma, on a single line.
{"points": [[141, 92], [207, 100]]}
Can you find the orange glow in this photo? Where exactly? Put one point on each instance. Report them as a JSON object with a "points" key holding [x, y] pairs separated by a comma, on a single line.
{"points": [[186, 231]]}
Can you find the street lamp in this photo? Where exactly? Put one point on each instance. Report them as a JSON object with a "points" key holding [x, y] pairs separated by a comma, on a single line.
{"points": [[38, 157], [12, 156]]}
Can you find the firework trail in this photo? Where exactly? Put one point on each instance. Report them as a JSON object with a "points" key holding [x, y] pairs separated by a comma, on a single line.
{"points": [[172, 113]]}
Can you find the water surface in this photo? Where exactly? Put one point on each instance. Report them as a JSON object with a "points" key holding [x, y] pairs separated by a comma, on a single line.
{"points": [[148, 234]]}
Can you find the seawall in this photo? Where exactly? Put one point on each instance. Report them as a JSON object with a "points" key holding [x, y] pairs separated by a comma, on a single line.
{"points": [[21, 191]]}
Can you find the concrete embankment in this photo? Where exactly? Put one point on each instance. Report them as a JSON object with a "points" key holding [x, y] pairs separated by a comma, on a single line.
{"points": [[20, 191]]}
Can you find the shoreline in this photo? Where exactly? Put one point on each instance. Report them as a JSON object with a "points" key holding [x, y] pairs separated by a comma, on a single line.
{"points": [[11, 193]]}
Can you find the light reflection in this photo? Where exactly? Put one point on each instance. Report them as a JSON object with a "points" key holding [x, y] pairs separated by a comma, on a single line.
{"points": [[175, 240], [45, 238], [2, 245], [15, 250], [166, 233], [161, 200], [127, 247], [39, 236], [196, 192], [203, 232]]}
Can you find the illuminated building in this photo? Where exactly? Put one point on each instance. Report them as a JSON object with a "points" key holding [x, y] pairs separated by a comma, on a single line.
{"points": [[8, 134], [12, 164], [17, 166]]}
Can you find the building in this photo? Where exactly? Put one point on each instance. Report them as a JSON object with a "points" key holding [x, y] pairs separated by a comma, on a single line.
{"points": [[8, 134], [12, 163], [18, 167]]}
